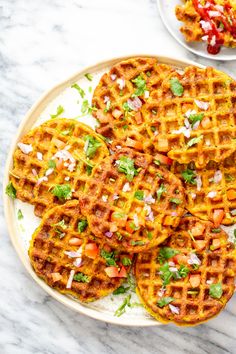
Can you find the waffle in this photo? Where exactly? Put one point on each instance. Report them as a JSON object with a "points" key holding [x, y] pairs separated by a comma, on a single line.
{"points": [[54, 154], [51, 250], [194, 30], [119, 124], [204, 94], [210, 190], [187, 297], [136, 210]]}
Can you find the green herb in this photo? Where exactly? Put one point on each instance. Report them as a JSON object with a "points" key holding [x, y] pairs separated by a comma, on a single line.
{"points": [[68, 131], [165, 274], [121, 310], [60, 110], [189, 176], [140, 84], [164, 301], [137, 243], [161, 190], [121, 93], [108, 106], [120, 290], [126, 107], [157, 162], [229, 178], [119, 236], [194, 118], [133, 226], [92, 144], [62, 191], [148, 73], [51, 164], [90, 89], [216, 231], [126, 261], [125, 127], [221, 25], [194, 141], [183, 271], [82, 225], [89, 170], [234, 241], [88, 76], [153, 129], [61, 224], [60, 233], [117, 215], [195, 266], [166, 253], [109, 258], [149, 235], [81, 278], [86, 108], [20, 216], [175, 201], [79, 89], [10, 190], [131, 283], [216, 290], [139, 194], [159, 175], [176, 87], [126, 166]]}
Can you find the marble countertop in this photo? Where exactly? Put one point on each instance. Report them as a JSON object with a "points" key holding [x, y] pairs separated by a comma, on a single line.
{"points": [[41, 43]]}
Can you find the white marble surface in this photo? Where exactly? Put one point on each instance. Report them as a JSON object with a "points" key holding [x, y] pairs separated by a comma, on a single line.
{"points": [[41, 43]]}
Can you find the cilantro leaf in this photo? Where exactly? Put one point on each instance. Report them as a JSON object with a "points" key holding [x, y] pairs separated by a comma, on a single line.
{"points": [[89, 170], [109, 257], [137, 243], [61, 224], [60, 110], [91, 146], [175, 201], [140, 84], [20, 216], [82, 224], [86, 108], [164, 301], [229, 178], [176, 87], [62, 191], [194, 141], [126, 261], [79, 89], [189, 176], [88, 76], [183, 271], [165, 274], [139, 194], [216, 231], [194, 118], [161, 190], [216, 291], [51, 164], [121, 310], [10, 190], [120, 290], [126, 166], [166, 253], [81, 278]]}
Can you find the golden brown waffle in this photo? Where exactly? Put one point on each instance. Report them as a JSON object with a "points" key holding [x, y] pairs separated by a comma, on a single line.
{"points": [[206, 94], [172, 293], [119, 124], [58, 251], [194, 30], [131, 202], [54, 154], [210, 192]]}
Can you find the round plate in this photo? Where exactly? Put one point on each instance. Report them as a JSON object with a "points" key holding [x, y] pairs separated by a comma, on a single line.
{"points": [[20, 231], [167, 13]]}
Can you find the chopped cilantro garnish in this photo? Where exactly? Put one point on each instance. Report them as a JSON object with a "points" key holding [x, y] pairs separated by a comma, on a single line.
{"points": [[234, 241], [60, 110], [120, 290], [121, 310], [149, 235], [89, 170], [166, 253], [139, 194], [62, 191], [216, 291], [194, 141], [194, 118], [82, 224], [61, 224], [20, 216], [68, 131], [92, 144], [86, 108], [51, 164], [216, 231], [161, 190], [176, 87], [183, 271], [88, 76], [148, 73], [10, 190], [126, 107], [125, 127], [157, 162], [164, 301], [90, 89], [126, 261], [229, 178], [81, 278], [175, 201], [117, 215], [140, 84], [126, 166], [108, 106], [109, 257], [189, 176], [79, 89], [165, 274], [137, 243], [132, 226]]}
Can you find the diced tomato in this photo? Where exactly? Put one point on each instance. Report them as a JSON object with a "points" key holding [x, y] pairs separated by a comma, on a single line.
{"points": [[129, 227], [206, 123], [138, 117], [218, 216], [113, 272], [180, 259], [59, 164], [58, 143], [231, 194], [134, 144], [199, 245], [56, 277], [119, 218], [91, 250], [195, 280], [163, 159], [116, 113], [215, 244], [101, 116], [198, 229]]}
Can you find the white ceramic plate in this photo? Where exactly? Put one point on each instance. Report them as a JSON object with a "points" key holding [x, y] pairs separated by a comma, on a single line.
{"points": [[167, 13], [20, 231]]}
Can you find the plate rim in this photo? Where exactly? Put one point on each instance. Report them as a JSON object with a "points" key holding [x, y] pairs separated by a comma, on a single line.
{"points": [[25, 125], [183, 43]]}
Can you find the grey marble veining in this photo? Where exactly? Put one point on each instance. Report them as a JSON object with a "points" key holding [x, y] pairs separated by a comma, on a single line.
{"points": [[41, 43]]}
